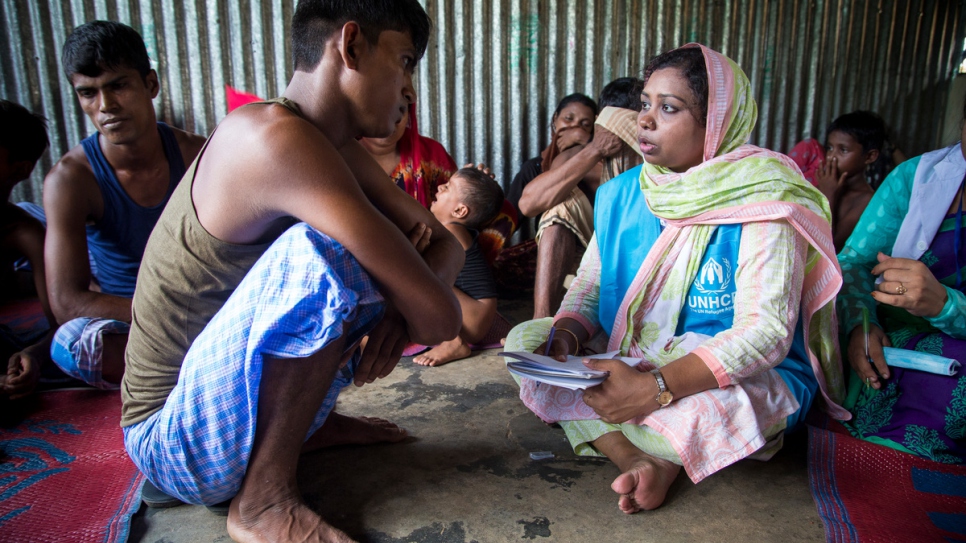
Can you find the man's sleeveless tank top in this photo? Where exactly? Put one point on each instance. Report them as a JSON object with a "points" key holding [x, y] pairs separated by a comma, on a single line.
{"points": [[116, 242], [186, 276]]}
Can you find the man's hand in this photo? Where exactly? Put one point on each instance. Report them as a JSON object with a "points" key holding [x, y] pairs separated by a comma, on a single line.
{"points": [[383, 347], [909, 284], [625, 394], [23, 372], [606, 142], [568, 137]]}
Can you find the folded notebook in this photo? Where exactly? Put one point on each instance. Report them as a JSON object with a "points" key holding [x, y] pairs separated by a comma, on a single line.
{"points": [[572, 374], [917, 360]]}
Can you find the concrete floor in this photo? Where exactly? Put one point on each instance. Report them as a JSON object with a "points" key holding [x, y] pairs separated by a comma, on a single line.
{"points": [[466, 476]]}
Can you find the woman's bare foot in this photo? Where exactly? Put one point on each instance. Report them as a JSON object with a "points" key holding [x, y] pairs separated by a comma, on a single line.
{"points": [[444, 353], [260, 518], [645, 483], [343, 430]]}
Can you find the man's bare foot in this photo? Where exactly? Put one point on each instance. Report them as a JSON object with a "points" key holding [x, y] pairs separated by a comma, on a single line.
{"points": [[444, 353], [645, 484], [280, 520], [342, 430]]}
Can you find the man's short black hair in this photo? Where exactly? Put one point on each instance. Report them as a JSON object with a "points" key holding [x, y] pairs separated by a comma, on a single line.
{"points": [[97, 46], [315, 21], [22, 133], [482, 195], [622, 92]]}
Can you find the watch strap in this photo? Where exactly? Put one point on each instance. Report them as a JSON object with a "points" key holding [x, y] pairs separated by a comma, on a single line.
{"points": [[664, 396], [661, 386]]}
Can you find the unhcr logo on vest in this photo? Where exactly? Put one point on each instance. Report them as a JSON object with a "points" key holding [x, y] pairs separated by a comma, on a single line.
{"points": [[711, 293]]}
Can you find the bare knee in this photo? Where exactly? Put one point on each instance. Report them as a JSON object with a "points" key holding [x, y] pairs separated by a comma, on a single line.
{"points": [[112, 359]]}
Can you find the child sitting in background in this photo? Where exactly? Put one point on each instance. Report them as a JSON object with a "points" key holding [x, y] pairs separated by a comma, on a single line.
{"points": [[468, 201], [23, 139], [854, 164]]}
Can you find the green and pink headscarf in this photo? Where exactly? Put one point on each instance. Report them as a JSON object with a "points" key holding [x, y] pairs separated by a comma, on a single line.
{"points": [[736, 183]]}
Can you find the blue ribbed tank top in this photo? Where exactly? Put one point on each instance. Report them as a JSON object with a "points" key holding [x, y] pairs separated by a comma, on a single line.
{"points": [[116, 242]]}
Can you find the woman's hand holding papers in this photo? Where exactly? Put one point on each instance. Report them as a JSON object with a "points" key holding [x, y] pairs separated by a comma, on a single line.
{"points": [[627, 392], [564, 341]]}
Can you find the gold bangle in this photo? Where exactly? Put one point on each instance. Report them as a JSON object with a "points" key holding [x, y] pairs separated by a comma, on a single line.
{"points": [[577, 350]]}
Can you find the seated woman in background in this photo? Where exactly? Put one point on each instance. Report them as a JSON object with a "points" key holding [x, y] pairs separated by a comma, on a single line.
{"points": [[563, 195], [417, 164], [572, 124], [713, 264], [919, 304]]}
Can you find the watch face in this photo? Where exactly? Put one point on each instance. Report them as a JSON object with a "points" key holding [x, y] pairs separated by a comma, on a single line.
{"points": [[665, 398]]}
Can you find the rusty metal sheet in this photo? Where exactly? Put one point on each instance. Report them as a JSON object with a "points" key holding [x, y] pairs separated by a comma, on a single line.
{"points": [[496, 68]]}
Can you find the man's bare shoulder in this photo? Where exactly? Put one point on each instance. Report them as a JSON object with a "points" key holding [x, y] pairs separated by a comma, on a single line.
{"points": [[72, 174], [189, 143], [269, 126], [19, 228], [12, 216], [271, 137], [262, 163]]}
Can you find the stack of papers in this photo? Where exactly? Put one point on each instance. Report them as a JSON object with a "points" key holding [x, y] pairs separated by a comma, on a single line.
{"points": [[572, 374]]}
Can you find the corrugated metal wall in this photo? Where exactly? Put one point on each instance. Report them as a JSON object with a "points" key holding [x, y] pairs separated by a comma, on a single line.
{"points": [[496, 68]]}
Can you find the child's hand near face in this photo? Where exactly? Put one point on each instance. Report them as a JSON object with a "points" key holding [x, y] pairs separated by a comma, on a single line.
{"points": [[829, 180], [420, 236]]}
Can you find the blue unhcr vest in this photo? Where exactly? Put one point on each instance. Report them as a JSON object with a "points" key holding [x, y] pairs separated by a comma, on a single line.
{"points": [[627, 229]]}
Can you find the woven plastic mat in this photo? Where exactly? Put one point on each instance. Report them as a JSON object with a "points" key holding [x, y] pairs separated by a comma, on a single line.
{"points": [[64, 474], [871, 493]]}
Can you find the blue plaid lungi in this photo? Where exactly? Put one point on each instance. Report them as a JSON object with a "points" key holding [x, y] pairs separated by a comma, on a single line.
{"points": [[304, 292], [78, 348]]}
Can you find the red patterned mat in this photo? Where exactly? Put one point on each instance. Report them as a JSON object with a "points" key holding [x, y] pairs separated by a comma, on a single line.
{"points": [[22, 322], [871, 493], [64, 475]]}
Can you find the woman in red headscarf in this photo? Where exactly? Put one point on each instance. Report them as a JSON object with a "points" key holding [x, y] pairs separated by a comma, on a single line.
{"points": [[417, 164]]}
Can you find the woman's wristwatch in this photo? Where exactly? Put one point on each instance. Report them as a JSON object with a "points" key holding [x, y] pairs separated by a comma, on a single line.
{"points": [[664, 396]]}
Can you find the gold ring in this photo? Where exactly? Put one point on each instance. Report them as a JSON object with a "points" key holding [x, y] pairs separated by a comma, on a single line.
{"points": [[901, 289]]}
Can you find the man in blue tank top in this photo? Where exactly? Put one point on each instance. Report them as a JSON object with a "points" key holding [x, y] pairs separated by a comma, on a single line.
{"points": [[103, 198]]}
